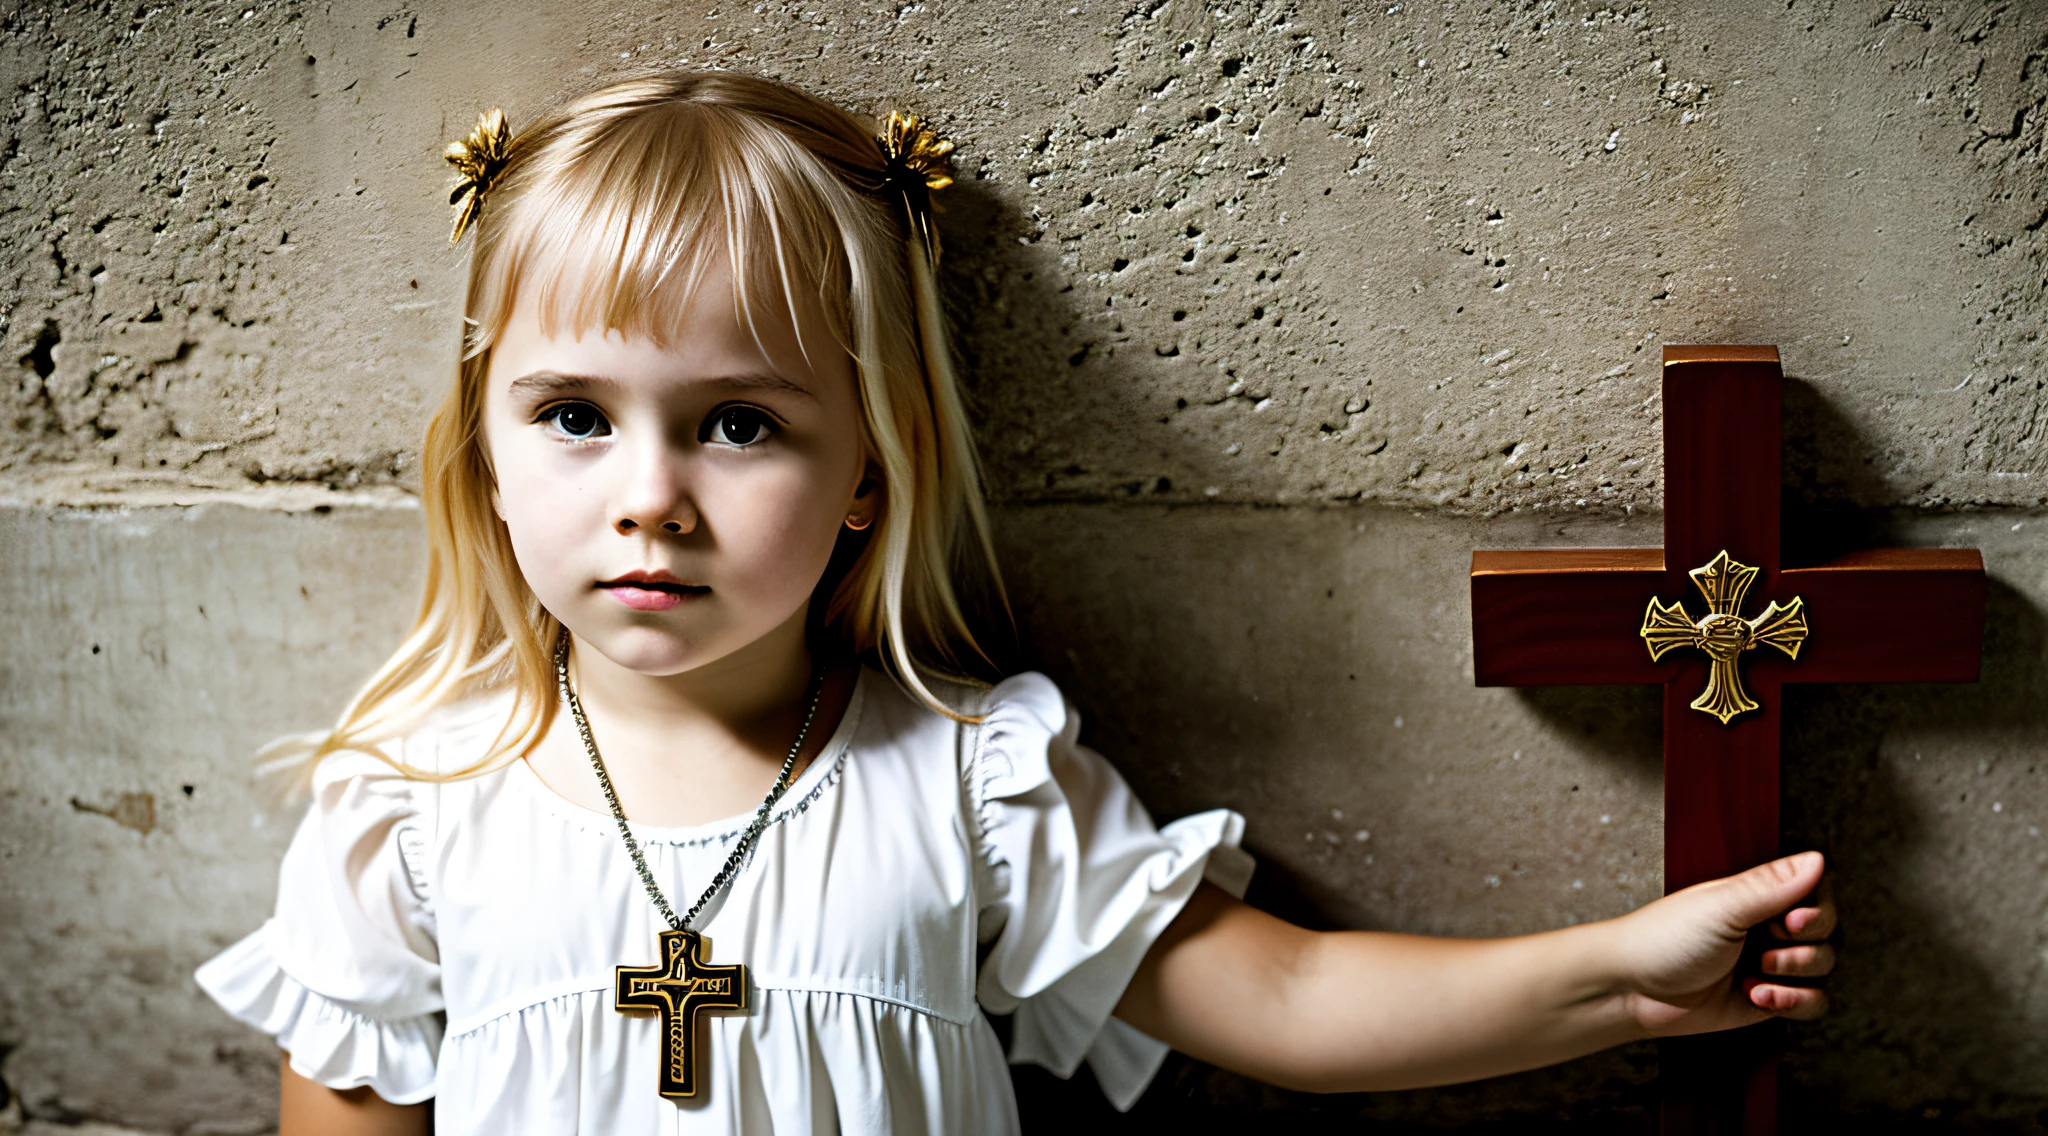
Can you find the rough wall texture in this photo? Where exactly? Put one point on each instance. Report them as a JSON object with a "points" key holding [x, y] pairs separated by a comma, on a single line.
{"points": [[1411, 258], [1419, 254]]}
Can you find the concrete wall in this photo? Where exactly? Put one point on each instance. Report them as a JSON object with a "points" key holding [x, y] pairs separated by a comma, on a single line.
{"points": [[1272, 312]]}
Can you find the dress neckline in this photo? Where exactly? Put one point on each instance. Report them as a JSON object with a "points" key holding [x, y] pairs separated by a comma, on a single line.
{"points": [[817, 776]]}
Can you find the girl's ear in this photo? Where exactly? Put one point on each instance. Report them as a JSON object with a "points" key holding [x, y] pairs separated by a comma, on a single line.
{"points": [[867, 499]]}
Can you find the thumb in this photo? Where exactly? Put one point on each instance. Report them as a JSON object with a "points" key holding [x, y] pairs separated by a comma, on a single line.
{"points": [[1765, 891]]}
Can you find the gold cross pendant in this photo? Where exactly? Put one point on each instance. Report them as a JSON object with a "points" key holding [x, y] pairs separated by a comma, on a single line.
{"points": [[682, 984], [1722, 633]]}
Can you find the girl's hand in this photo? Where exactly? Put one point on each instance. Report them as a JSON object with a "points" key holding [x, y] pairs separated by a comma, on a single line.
{"points": [[1678, 956]]}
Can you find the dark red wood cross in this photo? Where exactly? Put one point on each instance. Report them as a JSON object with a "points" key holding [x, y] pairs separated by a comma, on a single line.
{"points": [[1558, 617]]}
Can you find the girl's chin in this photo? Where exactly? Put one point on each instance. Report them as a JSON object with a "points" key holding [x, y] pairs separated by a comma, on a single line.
{"points": [[652, 651]]}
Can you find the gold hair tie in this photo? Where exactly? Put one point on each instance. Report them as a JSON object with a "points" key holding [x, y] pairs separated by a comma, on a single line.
{"points": [[478, 160], [915, 161]]}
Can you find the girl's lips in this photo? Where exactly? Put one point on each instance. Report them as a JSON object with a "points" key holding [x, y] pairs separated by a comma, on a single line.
{"points": [[645, 599], [643, 591]]}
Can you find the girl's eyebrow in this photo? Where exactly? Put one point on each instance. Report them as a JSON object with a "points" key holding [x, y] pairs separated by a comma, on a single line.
{"points": [[762, 380], [541, 384]]}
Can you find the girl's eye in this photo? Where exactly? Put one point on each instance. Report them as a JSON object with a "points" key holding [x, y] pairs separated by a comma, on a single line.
{"points": [[740, 426], [578, 420]]}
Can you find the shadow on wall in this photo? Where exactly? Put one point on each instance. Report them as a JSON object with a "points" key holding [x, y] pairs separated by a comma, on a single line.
{"points": [[1868, 770], [1921, 1024]]}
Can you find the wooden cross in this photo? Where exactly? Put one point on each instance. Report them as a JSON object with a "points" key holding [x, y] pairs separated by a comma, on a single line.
{"points": [[682, 984], [1601, 616]]}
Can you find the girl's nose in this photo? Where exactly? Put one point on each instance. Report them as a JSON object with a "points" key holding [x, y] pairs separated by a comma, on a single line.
{"points": [[669, 524], [655, 498]]}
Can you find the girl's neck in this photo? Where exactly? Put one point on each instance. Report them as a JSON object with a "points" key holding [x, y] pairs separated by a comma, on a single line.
{"points": [[745, 694], [699, 746]]}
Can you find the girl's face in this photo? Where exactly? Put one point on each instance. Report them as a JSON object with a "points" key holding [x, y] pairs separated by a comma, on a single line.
{"points": [[673, 506]]}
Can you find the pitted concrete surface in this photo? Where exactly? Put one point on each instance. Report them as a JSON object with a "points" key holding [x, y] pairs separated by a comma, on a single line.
{"points": [[1418, 254], [1416, 260]]}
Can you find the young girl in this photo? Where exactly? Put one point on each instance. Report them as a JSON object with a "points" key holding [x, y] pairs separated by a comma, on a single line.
{"points": [[703, 521]]}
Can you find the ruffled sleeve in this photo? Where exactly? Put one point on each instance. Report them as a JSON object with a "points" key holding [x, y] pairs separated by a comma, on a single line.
{"points": [[1075, 885], [346, 974]]}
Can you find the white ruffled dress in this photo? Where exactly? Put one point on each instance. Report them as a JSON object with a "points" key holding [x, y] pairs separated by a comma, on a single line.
{"points": [[457, 941]]}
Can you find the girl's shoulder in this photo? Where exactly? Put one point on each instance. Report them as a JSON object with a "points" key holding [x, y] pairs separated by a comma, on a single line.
{"points": [[1026, 727], [1028, 702], [1005, 736], [1024, 716]]}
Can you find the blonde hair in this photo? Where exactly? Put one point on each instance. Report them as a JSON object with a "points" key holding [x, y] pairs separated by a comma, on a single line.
{"points": [[612, 209]]}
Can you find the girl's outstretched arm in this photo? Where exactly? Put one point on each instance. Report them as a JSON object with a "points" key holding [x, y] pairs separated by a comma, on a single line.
{"points": [[1367, 1010], [309, 1108]]}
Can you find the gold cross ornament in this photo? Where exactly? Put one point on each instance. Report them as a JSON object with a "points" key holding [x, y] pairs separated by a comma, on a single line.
{"points": [[1722, 633], [676, 989]]}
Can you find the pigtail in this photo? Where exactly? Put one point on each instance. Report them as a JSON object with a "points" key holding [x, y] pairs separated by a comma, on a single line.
{"points": [[915, 163]]}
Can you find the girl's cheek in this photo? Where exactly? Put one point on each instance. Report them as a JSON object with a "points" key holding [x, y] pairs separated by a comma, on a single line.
{"points": [[772, 539], [804, 525], [541, 513]]}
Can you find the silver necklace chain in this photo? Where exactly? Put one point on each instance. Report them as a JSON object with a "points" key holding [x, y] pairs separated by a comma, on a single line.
{"points": [[746, 840]]}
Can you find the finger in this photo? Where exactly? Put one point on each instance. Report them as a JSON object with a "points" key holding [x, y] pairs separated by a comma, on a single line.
{"points": [[1813, 920], [1765, 891], [1800, 1003], [1799, 962]]}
